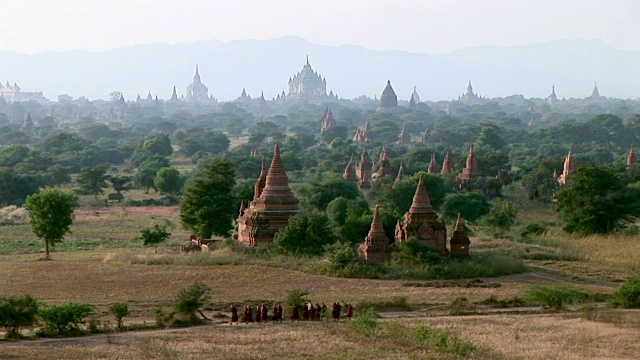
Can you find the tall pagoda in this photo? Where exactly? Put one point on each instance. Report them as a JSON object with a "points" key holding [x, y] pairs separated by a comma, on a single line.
{"points": [[471, 170], [197, 91], [327, 121], [350, 171], [568, 168], [376, 244], [272, 206], [363, 170], [307, 84], [433, 166], [459, 242], [400, 175], [388, 99], [385, 166], [631, 159], [447, 164], [404, 137], [421, 222]]}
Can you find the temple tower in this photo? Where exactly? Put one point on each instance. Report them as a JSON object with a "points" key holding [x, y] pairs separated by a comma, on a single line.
{"points": [[385, 167], [404, 137], [414, 96], [197, 91], [327, 121], [307, 84], [27, 126], [271, 209], [421, 222], [447, 164], [363, 170], [350, 172], [552, 98], [400, 175], [631, 159], [471, 170], [569, 167], [433, 166], [459, 242], [425, 136], [376, 244], [595, 93], [388, 99]]}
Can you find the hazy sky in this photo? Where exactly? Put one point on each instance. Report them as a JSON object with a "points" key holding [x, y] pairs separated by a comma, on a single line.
{"points": [[433, 26]]}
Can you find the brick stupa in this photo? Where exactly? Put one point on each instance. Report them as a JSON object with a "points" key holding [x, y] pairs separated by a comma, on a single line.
{"points": [[271, 208], [385, 166], [471, 170], [327, 121], [433, 166], [569, 167], [350, 172], [447, 164], [376, 245], [459, 242], [363, 170], [400, 175], [404, 137], [632, 159], [421, 222]]}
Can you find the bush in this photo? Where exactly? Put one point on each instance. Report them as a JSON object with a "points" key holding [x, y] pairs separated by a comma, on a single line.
{"points": [[628, 295], [297, 296], [555, 297], [442, 340], [365, 323], [461, 306], [413, 252], [65, 319], [190, 300], [502, 219], [533, 229], [119, 311], [154, 236], [17, 313]]}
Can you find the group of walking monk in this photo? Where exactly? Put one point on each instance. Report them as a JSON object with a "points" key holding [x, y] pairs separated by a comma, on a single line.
{"points": [[310, 312]]}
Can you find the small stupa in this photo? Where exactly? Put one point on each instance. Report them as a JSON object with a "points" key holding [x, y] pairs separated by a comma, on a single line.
{"points": [[376, 244]]}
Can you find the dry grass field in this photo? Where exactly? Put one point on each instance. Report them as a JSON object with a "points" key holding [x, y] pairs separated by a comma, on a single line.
{"points": [[100, 264]]}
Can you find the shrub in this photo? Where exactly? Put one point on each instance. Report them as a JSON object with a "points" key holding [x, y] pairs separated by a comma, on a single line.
{"points": [[502, 219], [161, 317], [119, 311], [297, 296], [365, 323], [65, 319], [154, 236], [628, 295], [461, 306], [414, 252], [533, 229], [190, 300], [17, 313], [442, 340], [555, 297]]}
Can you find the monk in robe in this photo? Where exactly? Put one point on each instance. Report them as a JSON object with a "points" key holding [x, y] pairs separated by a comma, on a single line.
{"points": [[258, 313], [312, 312], [336, 312], [318, 311], [294, 312], [349, 311], [264, 314], [280, 313], [305, 312], [234, 315], [248, 314]]}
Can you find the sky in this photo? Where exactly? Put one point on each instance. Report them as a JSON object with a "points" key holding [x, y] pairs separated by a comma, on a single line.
{"points": [[432, 26]]}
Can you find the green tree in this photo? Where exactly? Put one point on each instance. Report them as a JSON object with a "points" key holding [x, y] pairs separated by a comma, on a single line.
{"points": [[51, 215], [190, 300], [318, 195], [306, 234], [470, 205], [540, 185], [120, 183], [93, 180], [58, 175], [17, 313], [159, 145], [154, 236], [597, 202], [502, 219], [145, 178], [65, 319], [169, 181], [119, 311], [208, 204]]}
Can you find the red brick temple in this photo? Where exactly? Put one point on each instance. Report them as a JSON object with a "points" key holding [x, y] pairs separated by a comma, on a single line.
{"points": [[376, 244]]}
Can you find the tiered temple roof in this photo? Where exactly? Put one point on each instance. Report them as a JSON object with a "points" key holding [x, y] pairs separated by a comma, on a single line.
{"points": [[363, 170], [197, 91], [385, 166], [388, 99], [447, 164], [471, 170], [255, 152], [425, 136], [401, 174], [414, 96], [404, 137], [350, 171], [421, 221], [307, 84], [271, 208], [632, 159], [361, 136], [595, 93], [552, 98], [327, 121], [459, 242], [569, 167], [433, 165], [376, 244]]}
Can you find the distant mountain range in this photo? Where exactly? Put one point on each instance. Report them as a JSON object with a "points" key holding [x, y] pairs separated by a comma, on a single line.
{"points": [[572, 65]]}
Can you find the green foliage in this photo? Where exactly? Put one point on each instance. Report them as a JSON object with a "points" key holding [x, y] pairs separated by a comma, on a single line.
{"points": [[189, 301], [297, 296], [15, 187], [58, 174], [65, 319], [169, 181], [51, 213], [540, 185], [120, 183], [119, 311], [17, 313], [198, 140], [502, 219], [444, 340], [470, 205], [159, 145], [413, 252], [628, 295], [365, 323], [532, 229], [154, 236], [93, 180], [208, 203], [555, 297], [461, 306], [318, 195], [306, 234]]}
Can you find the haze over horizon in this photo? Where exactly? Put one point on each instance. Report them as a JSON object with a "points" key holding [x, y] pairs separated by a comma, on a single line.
{"points": [[435, 26]]}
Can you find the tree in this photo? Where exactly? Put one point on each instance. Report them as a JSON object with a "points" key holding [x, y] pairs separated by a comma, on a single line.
{"points": [[17, 313], [597, 202], [159, 145], [154, 237], [58, 174], [540, 185], [319, 195], [119, 311], [169, 181], [120, 183], [67, 318], [306, 234], [51, 215], [502, 219], [93, 180], [191, 299], [471, 206], [208, 204]]}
